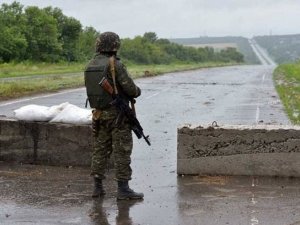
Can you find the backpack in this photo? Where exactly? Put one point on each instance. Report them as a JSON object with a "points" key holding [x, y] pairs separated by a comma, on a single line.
{"points": [[93, 74]]}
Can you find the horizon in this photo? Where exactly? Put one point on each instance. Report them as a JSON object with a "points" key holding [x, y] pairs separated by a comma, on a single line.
{"points": [[269, 35]]}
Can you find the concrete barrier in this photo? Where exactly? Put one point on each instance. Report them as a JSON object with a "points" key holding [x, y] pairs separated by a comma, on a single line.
{"points": [[263, 150], [45, 143]]}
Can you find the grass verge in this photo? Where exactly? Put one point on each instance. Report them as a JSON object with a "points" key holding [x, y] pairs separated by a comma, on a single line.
{"points": [[21, 87], [24, 87], [287, 80], [29, 69]]}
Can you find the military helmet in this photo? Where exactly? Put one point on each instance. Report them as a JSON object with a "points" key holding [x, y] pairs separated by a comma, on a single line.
{"points": [[108, 42]]}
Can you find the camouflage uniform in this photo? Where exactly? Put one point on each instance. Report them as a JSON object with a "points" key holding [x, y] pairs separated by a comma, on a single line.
{"points": [[112, 132], [111, 137]]}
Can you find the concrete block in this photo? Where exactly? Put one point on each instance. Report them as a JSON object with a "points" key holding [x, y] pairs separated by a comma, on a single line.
{"points": [[45, 143], [262, 150]]}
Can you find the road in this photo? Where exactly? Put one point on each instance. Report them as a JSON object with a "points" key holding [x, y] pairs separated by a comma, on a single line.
{"points": [[229, 95], [240, 95]]}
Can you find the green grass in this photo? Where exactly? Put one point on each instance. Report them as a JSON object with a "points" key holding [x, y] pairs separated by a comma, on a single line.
{"points": [[29, 68], [21, 87], [287, 79]]}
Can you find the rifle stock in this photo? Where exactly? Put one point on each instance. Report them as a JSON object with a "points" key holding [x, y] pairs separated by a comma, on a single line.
{"points": [[106, 86]]}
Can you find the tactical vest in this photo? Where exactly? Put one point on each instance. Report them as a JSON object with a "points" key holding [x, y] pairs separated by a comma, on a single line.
{"points": [[93, 74]]}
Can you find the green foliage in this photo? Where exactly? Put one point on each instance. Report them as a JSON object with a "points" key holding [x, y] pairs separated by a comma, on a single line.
{"points": [[69, 30], [27, 68], [242, 43], [42, 36], [140, 50], [230, 54], [287, 79], [13, 43], [19, 88], [150, 36], [86, 43], [47, 35], [148, 49]]}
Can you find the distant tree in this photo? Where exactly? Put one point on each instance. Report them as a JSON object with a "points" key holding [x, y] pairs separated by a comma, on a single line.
{"points": [[42, 35], [231, 54], [69, 30], [134, 50], [163, 41], [86, 43], [150, 36], [13, 43]]}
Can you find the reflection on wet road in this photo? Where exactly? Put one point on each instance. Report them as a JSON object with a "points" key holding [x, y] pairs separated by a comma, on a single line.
{"points": [[100, 215], [53, 195], [231, 95]]}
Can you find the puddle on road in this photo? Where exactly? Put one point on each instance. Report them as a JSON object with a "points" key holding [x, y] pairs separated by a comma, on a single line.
{"points": [[215, 180]]}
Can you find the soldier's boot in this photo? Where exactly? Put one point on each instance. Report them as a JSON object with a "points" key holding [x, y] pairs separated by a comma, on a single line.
{"points": [[125, 193], [98, 188]]}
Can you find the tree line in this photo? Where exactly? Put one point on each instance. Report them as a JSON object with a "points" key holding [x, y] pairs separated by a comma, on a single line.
{"points": [[42, 35], [149, 49], [242, 43], [47, 35]]}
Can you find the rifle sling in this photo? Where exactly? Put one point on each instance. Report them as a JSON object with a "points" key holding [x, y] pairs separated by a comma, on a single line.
{"points": [[113, 73]]}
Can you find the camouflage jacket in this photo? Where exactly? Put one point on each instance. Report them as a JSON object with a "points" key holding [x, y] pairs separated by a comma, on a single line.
{"points": [[126, 87], [125, 84]]}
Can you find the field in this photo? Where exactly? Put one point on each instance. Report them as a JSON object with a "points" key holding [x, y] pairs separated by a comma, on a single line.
{"points": [[287, 79]]}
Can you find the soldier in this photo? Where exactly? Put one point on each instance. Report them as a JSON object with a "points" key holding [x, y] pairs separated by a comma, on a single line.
{"points": [[109, 135]]}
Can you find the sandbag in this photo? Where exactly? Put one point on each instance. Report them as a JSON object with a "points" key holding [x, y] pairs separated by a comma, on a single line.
{"points": [[56, 109], [63, 113], [33, 113], [74, 115]]}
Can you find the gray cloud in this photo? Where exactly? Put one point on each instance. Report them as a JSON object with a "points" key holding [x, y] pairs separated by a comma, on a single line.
{"points": [[182, 18]]}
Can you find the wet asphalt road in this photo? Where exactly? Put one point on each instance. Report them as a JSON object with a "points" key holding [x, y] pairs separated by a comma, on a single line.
{"points": [[235, 95], [230, 95]]}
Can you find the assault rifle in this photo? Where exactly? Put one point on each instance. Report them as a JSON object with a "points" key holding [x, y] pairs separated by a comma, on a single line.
{"points": [[124, 110]]}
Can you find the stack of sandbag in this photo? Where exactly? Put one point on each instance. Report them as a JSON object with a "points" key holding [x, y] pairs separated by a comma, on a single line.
{"points": [[63, 113]]}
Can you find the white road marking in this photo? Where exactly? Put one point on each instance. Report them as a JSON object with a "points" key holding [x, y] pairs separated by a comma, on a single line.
{"points": [[263, 78], [259, 56], [157, 93], [259, 104], [262, 55], [254, 220], [257, 114], [37, 97]]}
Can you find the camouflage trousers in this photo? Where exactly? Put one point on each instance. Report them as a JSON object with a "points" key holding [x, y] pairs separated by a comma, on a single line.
{"points": [[111, 138]]}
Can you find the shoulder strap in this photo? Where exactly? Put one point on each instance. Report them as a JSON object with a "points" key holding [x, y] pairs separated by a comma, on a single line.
{"points": [[113, 72]]}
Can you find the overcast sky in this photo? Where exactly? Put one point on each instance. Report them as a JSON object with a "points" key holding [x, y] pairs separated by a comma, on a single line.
{"points": [[182, 18]]}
